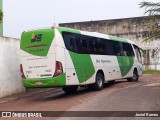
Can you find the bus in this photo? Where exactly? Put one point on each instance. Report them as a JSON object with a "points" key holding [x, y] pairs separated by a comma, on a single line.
{"points": [[69, 58]]}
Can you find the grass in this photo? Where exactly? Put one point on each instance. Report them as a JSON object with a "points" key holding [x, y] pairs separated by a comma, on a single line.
{"points": [[151, 72]]}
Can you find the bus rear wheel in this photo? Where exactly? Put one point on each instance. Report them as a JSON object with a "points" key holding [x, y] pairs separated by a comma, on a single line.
{"points": [[70, 89], [99, 83], [134, 78]]}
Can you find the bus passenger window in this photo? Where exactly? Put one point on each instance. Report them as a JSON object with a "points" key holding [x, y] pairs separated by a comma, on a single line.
{"points": [[109, 46], [117, 49], [73, 45], [100, 46], [70, 41], [92, 43], [84, 46], [127, 49], [138, 54]]}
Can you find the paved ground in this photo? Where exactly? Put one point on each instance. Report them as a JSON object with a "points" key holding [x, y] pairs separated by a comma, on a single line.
{"points": [[143, 95]]}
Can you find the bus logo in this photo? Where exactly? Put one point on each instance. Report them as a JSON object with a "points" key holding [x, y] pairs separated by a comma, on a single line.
{"points": [[36, 38]]}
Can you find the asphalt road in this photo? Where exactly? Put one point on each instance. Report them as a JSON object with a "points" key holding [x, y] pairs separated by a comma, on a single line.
{"points": [[143, 95]]}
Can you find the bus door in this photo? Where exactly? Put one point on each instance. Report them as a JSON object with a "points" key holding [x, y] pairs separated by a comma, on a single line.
{"points": [[138, 59]]}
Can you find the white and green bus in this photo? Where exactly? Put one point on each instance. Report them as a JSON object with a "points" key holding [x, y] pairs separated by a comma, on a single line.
{"points": [[68, 58]]}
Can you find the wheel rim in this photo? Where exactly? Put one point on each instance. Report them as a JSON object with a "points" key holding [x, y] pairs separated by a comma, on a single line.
{"points": [[99, 81]]}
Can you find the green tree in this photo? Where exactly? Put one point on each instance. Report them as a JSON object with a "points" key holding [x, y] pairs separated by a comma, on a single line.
{"points": [[152, 9], [1, 16]]}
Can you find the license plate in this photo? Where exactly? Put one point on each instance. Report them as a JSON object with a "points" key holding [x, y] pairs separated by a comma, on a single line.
{"points": [[38, 83]]}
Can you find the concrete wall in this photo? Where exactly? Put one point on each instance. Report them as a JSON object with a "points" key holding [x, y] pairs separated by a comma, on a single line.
{"points": [[10, 82], [1, 24], [129, 28]]}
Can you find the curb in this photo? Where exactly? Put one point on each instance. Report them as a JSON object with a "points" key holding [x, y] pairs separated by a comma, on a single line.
{"points": [[23, 95]]}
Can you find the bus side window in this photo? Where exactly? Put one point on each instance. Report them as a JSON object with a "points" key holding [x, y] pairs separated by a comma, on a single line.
{"points": [[97, 46], [117, 49], [84, 45], [73, 45], [109, 46], [100, 46], [93, 47], [127, 49], [70, 42], [138, 54]]}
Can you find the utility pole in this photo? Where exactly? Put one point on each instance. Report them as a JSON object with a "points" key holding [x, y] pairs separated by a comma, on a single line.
{"points": [[1, 24]]}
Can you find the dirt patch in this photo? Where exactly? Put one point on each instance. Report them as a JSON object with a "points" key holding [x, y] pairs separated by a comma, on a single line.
{"points": [[153, 84]]}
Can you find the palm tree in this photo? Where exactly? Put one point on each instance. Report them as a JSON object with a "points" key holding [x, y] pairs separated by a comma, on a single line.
{"points": [[153, 11], [1, 16]]}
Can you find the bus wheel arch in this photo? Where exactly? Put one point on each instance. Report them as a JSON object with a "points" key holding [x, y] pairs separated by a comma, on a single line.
{"points": [[99, 81], [101, 72], [135, 76]]}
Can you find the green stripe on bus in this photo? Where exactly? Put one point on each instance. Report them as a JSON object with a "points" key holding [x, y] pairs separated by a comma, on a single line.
{"points": [[62, 29], [83, 65], [118, 39], [125, 64]]}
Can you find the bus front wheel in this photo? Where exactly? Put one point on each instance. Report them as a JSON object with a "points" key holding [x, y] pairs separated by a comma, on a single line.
{"points": [[134, 78], [99, 82], [70, 89]]}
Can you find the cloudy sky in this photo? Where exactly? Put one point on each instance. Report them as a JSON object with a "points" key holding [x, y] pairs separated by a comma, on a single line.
{"points": [[21, 15]]}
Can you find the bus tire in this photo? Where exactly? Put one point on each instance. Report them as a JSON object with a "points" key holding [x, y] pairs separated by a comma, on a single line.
{"points": [[70, 89], [99, 83], [134, 78]]}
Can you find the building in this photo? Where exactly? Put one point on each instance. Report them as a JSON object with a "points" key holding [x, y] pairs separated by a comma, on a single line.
{"points": [[129, 28]]}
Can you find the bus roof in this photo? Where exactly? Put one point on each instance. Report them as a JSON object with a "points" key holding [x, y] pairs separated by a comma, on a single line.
{"points": [[95, 34]]}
